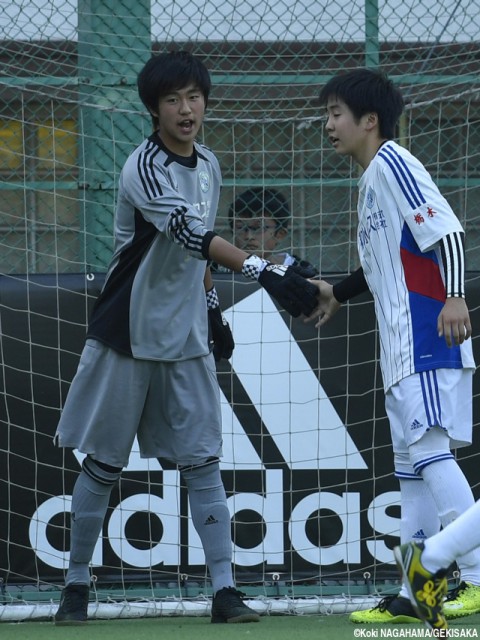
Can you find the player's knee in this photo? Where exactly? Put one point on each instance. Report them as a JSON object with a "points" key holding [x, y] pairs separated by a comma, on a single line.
{"points": [[203, 475], [403, 466], [433, 447], [100, 472]]}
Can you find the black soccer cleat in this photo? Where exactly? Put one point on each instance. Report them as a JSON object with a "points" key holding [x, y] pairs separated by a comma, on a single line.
{"points": [[228, 606], [73, 605]]}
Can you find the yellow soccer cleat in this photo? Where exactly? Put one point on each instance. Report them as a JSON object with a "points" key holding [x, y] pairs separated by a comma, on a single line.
{"points": [[464, 600], [427, 591], [391, 610]]}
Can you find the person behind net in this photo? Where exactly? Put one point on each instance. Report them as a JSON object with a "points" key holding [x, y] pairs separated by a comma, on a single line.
{"points": [[425, 565], [411, 249], [259, 219], [147, 369]]}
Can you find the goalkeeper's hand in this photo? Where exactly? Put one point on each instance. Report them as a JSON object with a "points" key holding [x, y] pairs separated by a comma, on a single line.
{"points": [[293, 292], [220, 335]]}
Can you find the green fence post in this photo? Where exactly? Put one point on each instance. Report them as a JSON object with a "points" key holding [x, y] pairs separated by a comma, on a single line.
{"points": [[114, 42], [372, 51]]}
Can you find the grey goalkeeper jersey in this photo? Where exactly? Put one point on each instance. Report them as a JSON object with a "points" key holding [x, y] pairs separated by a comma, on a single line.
{"points": [[152, 305]]}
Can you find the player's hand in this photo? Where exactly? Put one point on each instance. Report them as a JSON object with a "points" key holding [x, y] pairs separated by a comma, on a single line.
{"points": [[221, 335], [454, 322], [305, 269], [293, 292], [327, 306]]}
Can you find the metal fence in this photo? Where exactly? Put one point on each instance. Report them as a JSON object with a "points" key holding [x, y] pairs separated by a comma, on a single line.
{"points": [[70, 112]]}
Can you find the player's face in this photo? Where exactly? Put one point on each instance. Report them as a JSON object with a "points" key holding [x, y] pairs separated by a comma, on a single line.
{"points": [[255, 235], [346, 134], [180, 115]]}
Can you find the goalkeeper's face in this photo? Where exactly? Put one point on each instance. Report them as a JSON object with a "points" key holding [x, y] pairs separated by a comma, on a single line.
{"points": [[180, 116]]}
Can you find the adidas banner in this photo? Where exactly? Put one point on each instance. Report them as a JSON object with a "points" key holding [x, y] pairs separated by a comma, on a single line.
{"points": [[307, 462]]}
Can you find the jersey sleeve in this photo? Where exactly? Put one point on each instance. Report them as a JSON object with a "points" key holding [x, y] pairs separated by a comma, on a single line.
{"points": [[418, 199], [149, 188]]}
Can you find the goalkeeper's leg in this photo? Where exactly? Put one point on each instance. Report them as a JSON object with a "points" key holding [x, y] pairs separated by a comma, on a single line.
{"points": [[90, 499], [211, 518]]}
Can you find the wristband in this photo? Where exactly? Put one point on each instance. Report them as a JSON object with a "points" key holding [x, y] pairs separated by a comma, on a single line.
{"points": [[253, 267], [206, 240], [212, 299]]}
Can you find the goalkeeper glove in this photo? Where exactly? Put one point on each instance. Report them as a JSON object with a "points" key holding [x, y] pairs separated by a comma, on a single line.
{"points": [[304, 268], [293, 292], [220, 336]]}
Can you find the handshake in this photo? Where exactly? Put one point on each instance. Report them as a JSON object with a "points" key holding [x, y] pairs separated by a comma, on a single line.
{"points": [[287, 284]]}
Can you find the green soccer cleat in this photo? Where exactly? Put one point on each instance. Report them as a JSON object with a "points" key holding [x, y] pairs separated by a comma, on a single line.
{"points": [[464, 600], [427, 591], [391, 609]]}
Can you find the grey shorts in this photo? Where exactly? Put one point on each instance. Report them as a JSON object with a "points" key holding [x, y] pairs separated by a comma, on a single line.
{"points": [[172, 407]]}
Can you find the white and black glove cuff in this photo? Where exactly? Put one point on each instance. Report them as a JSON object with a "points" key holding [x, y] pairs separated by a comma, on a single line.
{"points": [[212, 299], [253, 267]]}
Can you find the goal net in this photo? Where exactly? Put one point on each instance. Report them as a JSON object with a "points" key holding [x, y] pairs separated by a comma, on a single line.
{"points": [[307, 459]]}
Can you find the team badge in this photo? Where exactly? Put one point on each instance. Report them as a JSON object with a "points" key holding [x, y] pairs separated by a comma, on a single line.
{"points": [[370, 201], [204, 181]]}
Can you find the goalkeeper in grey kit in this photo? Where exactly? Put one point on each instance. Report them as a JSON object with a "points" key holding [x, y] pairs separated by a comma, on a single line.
{"points": [[147, 369]]}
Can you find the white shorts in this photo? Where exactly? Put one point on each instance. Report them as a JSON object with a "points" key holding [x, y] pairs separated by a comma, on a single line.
{"points": [[172, 407], [441, 398]]}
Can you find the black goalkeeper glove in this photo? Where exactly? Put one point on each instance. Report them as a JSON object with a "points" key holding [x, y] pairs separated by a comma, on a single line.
{"points": [[220, 336], [304, 268], [293, 292]]}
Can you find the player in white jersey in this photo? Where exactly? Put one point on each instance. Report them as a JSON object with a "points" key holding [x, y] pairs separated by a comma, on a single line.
{"points": [[410, 245], [147, 369]]}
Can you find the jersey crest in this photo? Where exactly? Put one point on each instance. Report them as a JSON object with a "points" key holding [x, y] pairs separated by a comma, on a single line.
{"points": [[204, 181]]}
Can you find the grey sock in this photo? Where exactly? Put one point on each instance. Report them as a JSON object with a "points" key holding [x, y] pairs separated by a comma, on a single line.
{"points": [[90, 499], [211, 518]]}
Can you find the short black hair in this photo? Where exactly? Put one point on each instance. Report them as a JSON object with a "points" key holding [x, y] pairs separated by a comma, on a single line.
{"points": [[367, 91], [260, 201], [168, 72]]}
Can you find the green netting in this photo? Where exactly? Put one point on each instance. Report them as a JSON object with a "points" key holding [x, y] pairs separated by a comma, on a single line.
{"points": [[70, 112]]}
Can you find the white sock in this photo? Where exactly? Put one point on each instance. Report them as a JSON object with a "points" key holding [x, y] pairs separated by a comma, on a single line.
{"points": [[453, 497], [419, 515], [459, 538]]}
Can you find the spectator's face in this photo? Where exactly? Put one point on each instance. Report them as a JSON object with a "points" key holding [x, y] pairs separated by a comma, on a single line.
{"points": [[257, 235]]}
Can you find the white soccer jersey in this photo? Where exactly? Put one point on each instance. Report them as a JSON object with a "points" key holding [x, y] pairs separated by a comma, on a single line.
{"points": [[153, 303], [401, 218]]}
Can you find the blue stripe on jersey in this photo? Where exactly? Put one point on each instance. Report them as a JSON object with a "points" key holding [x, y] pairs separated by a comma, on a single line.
{"points": [[430, 351], [409, 243], [421, 270], [403, 176], [146, 171], [426, 298]]}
